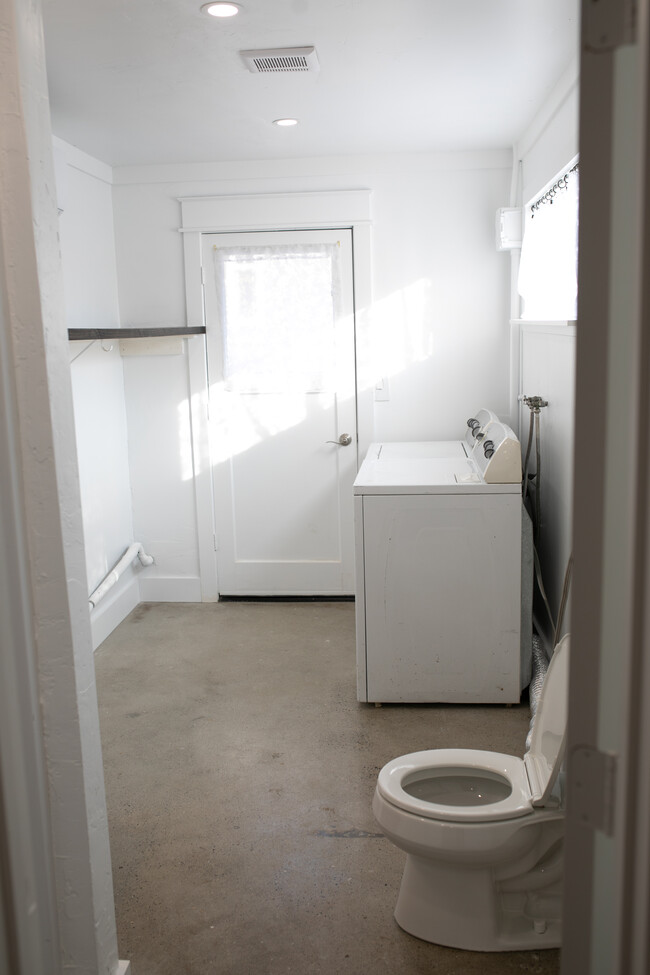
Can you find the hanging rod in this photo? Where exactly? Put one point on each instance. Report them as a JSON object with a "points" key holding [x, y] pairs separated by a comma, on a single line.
{"points": [[560, 184]]}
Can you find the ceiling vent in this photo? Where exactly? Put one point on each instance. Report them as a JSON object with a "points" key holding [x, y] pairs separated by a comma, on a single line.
{"points": [[282, 59]]}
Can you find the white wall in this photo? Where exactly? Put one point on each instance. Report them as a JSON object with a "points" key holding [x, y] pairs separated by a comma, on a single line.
{"points": [[87, 239], [438, 318], [438, 321], [50, 570], [440, 297], [161, 464], [548, 370], [551, 140], [439, 286], [84, 196], [547, 364]]}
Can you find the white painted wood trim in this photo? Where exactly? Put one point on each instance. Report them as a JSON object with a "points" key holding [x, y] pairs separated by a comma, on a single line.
{"points": [[275, 211], [28, 926], [170, 589], [256, 227], [546, 328], [286, 171], [123, 968], [197, 364], [602, 929], [362, 269], [114, 608], [53, 577], [558, 326], [515, 377], [269, 211]]}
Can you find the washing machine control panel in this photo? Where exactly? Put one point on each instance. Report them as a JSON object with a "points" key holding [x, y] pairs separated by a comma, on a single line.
{"points": [[498, 455], [478, 425]]}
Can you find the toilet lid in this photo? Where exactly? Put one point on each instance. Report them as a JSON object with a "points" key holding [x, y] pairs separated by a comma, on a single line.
{"points": [[548, 739]]}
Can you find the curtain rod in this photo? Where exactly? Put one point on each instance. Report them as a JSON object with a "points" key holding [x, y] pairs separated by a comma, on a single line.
{"points": [[560, 184]]}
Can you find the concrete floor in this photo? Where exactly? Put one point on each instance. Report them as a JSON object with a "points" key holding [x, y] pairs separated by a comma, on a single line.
{"points": [[239, 774]]}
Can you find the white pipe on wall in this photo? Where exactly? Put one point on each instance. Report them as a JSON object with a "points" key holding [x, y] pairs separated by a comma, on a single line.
{"points": [[136, 549]]}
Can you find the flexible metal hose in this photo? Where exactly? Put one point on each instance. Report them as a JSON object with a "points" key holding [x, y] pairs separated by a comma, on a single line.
{"points": [[530, 443], [540, 666], [538, 467]]}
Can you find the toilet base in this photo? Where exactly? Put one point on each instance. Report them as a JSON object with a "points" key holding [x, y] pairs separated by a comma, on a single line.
{"points": [[460, 908]]}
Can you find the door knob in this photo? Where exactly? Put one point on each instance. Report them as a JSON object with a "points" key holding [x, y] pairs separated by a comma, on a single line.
{"points": [[344, 440]]}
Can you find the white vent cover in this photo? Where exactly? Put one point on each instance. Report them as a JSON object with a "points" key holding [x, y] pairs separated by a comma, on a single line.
{"points": [[281, 59]]}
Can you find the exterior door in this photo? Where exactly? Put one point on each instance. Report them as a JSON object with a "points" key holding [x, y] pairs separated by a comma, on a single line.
{"points": [[280, 333]]}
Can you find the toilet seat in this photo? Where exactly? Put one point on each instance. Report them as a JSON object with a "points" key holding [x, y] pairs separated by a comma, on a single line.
{"points": [[463, 785], [483, 835], [488, 774]]}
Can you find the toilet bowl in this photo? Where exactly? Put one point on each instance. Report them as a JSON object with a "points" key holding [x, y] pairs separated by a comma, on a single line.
{"points": [[483, 834]]}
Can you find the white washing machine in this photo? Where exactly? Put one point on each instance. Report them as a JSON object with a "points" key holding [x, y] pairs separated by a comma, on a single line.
{"points": [[439, 573]]}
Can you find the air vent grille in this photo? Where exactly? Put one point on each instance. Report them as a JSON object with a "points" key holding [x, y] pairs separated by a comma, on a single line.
{"points": [[281, 60]]}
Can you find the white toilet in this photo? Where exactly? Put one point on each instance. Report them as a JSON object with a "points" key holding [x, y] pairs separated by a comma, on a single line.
{"points": [[483, 834]]}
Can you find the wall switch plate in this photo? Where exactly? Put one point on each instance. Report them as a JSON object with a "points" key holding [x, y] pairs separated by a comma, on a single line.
{"points": [[382, 392]]}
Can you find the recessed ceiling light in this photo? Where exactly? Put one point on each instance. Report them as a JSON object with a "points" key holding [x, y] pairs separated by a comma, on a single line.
{"points": [[220, 9], [285, 121]]}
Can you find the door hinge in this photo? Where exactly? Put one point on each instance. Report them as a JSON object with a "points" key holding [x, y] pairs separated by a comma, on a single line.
{"points": [[609, 24], [592, 787]]}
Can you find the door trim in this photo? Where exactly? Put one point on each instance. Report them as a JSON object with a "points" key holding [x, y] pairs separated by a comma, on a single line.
{"points": [[330, 210], [606, 873]]}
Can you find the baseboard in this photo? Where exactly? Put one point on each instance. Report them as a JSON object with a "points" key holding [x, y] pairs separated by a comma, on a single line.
{"points": [[170, 589], [114, 607], [123, 968]]}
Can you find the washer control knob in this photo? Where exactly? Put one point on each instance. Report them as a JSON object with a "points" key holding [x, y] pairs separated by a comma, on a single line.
{"points": [[488, 451], [473, 425], [487, 444]]}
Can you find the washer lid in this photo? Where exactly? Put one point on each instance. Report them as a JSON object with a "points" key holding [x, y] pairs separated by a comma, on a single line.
{"points": [[547, 744]]}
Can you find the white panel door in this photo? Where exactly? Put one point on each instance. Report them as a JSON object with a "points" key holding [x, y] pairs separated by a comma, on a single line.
{"points": [[280, 331]]}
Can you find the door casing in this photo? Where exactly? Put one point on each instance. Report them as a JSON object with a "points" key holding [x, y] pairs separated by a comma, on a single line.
{"points": [[268, 211]]}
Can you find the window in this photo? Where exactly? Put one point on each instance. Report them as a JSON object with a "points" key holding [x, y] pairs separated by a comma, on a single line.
{"points": [[263, 291], [548, 271]]}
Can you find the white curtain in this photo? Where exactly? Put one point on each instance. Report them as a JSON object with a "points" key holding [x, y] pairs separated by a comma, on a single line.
{"points": [[269, 344], [548, 270]]}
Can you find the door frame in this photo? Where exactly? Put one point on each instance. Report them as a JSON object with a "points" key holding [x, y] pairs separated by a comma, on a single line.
{"points": [[607, 849], [329, 210]]}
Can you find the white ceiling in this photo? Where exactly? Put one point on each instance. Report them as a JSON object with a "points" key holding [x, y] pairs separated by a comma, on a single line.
{"points": [[157, 81]]}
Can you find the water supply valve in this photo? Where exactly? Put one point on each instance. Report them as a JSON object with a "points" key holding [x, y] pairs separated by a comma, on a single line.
{"points": [[535, 403]]}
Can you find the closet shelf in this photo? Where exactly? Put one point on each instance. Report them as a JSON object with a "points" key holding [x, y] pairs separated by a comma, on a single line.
{"points": [[84, 334]]}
